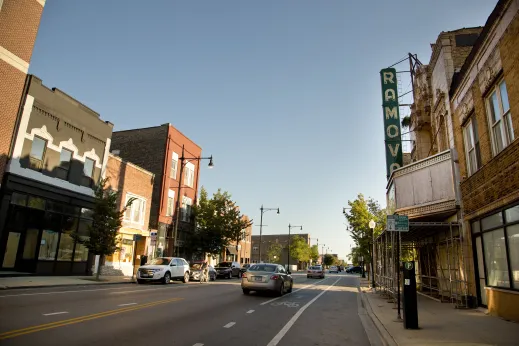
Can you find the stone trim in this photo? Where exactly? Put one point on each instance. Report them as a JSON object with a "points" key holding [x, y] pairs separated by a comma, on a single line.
{"points": [[434, 208], [14, 60]]}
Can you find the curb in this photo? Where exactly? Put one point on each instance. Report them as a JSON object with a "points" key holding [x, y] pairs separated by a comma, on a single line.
{"points": [[64, 285], [384, 335]]}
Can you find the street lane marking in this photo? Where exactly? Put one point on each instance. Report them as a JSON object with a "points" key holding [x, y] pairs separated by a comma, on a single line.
{"points": [[302, 288], [127, 304], [41, 327], [294, 318], [229, 325], [56, 313], [250, 311]]}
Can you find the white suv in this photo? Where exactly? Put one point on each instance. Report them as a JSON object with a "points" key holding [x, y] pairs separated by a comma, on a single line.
{"points": [[164, 269]]}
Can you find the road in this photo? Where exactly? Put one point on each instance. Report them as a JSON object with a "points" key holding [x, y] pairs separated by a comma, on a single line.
{"points": [[318, 312]]}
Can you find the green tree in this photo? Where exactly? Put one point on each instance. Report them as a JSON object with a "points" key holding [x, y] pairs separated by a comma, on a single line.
{"points": [[314, 253], [106, 222], [299, 249], [218, 223], [274, 253], [328, 260], [361, 212]]}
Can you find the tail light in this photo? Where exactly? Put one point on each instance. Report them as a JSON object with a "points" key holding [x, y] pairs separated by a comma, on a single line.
{"points": [[274, 277]]}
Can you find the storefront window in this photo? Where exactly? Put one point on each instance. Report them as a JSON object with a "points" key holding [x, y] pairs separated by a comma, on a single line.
{"points": [[495, 258], [31, 239], [81, 253], [513, 246], [66, 247], [475, 227], [36, 203], [48, 245], [19, 199], [492, 221], [512, 214]]}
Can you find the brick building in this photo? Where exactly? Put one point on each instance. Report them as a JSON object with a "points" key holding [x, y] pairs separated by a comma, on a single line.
{"points": [[240, 251], [267, 240], [60, 152], [159, 150], [19, 23], [485, 105], [131, 181]]}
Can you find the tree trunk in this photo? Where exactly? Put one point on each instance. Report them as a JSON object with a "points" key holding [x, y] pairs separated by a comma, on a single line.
{"points": [[98, 271]]}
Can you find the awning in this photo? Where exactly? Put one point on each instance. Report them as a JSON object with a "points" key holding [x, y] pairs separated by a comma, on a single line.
{"points": [[232, 250]]}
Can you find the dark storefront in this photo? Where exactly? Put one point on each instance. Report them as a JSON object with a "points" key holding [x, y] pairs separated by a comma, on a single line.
{"points": [[36, 220]]}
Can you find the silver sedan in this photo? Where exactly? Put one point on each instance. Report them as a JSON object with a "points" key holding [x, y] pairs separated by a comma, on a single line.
{"points": [[267, 277]]}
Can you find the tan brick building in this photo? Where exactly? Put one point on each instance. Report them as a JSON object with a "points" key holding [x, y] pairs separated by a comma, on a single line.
{"points": [[131, 181], [19, 23], [485, 104], [240, 251]]}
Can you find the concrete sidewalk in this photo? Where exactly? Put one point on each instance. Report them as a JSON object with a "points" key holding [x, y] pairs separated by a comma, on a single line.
{"points": [[57, 281], [440, 324]]}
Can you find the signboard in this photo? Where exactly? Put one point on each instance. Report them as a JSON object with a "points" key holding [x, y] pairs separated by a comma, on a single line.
{"points": [[397, 223], [393, 135]]}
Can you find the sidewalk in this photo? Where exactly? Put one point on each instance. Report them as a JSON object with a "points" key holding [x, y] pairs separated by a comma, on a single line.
{"points": [[56, 281], [440, 324]]}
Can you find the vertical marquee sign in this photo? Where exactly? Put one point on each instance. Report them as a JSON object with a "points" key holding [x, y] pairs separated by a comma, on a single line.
{"points": [[393, 138]]}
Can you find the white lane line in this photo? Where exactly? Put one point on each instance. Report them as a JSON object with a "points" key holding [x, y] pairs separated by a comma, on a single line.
{"points": [[294, 318], [250, 311], [127, 304], [229, 325], [56, 313], [199, 344], [302, 288], [61, 292]]}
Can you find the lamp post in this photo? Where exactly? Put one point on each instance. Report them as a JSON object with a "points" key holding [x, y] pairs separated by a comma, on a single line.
{"points": [[183, 161], [263, 210], [289, 228], [372, 225]]}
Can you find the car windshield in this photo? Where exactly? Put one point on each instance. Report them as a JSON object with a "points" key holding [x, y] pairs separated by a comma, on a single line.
{"points": [[262, 268], [224, 264], [161, 261], [315, 268]]}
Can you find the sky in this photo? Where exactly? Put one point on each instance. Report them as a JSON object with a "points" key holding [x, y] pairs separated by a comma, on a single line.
{"points": [[285, 94]]}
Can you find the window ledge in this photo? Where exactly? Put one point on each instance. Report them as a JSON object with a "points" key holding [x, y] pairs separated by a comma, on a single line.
{"points": [[504, 290]]}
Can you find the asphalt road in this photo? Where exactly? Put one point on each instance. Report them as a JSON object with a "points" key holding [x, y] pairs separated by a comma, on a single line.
{"points": [[318, 312]]}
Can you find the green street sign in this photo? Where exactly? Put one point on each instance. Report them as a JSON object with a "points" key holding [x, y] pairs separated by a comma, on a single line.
{"points": [[397, 223], [392, 132]]}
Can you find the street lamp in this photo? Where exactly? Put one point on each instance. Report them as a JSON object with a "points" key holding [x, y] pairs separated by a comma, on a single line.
{"points": [[183, 161], [289, 228], [372, 225], [263, 210]]}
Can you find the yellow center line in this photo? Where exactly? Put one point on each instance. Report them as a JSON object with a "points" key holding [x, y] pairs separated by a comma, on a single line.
{"points": [[41, 327]]}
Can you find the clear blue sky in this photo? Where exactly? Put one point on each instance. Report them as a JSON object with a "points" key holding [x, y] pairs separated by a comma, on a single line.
{"points": [[285, 94]]}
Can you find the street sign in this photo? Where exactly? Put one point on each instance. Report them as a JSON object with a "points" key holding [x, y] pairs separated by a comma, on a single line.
{"points": [[397, 223]]}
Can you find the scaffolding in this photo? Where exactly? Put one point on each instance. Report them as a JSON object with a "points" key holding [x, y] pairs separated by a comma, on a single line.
{"points": [[438, 252]]}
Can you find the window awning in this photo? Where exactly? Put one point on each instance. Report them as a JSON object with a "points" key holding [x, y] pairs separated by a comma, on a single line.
{"points": [[232, 250]]}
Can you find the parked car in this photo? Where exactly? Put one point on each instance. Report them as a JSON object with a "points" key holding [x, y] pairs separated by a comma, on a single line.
{"points": [[164, 269], [195, 270], [267, 277], [315, 271], [244, 268], [228, 269], [333, 269], [354, 270]]}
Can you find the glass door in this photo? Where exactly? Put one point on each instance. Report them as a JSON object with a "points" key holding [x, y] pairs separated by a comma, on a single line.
{"points": [[11, 250]]}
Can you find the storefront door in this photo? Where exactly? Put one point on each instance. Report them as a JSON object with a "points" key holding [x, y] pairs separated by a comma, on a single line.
{"points": [[11, 250]]}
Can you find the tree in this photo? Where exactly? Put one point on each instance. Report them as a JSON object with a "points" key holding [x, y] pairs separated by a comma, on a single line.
{"points": [[274, 253], [106, 221], [314, 253], [328, 260], [299, 249], [218, 223], [361, 212]]}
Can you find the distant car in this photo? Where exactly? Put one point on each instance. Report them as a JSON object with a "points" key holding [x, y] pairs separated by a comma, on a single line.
{"points": [[333, 269], [195, 270], [267, 277], [244, 268], [354, 270], [164, 269], [315, 271], [228, 269]]}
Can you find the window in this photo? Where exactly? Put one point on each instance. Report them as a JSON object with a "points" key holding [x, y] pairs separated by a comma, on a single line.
{"points": [[255, 248], [472, 151], [48, 245], [495, 258], [88, 168], [189, 174], [171, 203], [500, 118], [174, 166], [64, 164], [513, 245], [136, 211], [66, 247], [38, 148], [186, 209]]}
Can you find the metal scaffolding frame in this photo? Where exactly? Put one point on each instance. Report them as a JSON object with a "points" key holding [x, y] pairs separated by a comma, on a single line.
{"points": [[438, 251]]}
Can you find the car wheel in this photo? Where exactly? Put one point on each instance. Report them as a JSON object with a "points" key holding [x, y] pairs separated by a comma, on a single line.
{"points": [[291, 286], [213, 277], [167, 278], [139, 281], [246, 291], [230, 274], [308, 276], [281, 289], [186, 278]]}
